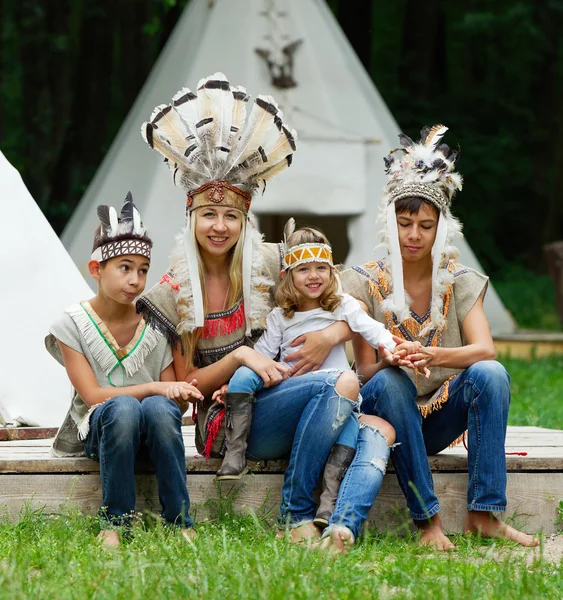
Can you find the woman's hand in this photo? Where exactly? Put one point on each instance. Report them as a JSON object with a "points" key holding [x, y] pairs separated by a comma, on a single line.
{"points": [[269, 370], [316, 346], [219, 395], [421, 359]]}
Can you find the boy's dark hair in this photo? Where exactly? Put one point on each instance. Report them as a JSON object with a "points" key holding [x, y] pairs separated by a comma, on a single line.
{"points": [[412, 205]]}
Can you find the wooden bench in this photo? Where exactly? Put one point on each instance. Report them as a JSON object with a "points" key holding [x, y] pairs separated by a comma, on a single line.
{"points": [[30, 474]]}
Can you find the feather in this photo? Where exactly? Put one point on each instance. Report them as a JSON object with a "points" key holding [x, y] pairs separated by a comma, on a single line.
{"points": [[210, 95], [171, 127], [434, 136], [406, 141], [151, 135], [259, 123], [114, 222], [185, 103], [284, 147], [240, 99], [127, 208], [288, 230], [103, 215], [271, 171], [137, 223], [221, 102]]}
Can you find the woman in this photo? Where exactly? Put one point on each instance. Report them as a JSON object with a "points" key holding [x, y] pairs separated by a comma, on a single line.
{"points": [[216, 296], [439, 304]]}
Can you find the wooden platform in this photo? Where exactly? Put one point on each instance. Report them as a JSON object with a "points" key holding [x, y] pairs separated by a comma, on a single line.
{"points": [[529, 344], [28, 473]]}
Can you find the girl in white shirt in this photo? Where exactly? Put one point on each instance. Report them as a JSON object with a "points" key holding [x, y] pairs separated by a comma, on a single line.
{"points": [[309, 299]]}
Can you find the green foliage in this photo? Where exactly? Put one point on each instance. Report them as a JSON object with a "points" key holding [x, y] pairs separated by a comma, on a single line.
{"points": [[529, 297], [536, 387]]}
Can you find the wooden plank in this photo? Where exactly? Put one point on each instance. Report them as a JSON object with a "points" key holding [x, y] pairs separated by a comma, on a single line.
{"points": [[533, 497], [27, 433], [543, 447]]}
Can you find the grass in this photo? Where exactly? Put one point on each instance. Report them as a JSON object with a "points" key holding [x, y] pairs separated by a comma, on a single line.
{"points": [[537, 391], [56, 556], [45, 556]]}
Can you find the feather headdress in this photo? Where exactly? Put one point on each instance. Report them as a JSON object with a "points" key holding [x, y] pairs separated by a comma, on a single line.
{"points": [[422, 170], [220, 158], [123, 234]]}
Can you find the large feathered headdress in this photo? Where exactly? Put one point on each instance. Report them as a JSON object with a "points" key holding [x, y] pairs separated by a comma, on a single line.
{"points": [[220, 158], [422, 170], [123, 234]]}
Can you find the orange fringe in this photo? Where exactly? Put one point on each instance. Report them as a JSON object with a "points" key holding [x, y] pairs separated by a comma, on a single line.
{"points": [[461, 439], [442, 398]]}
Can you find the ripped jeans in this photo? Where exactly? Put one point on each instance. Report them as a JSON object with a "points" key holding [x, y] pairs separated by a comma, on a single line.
{"points": [[302, 418], [364, 476]]}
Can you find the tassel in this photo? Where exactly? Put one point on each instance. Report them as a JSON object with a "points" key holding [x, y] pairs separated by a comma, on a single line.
{"points": [[84, 425], [213, 427], [441, 399], [224, 325]]}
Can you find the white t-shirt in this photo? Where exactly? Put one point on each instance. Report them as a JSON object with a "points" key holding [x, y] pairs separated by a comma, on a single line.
{"points": [[281, 331]]}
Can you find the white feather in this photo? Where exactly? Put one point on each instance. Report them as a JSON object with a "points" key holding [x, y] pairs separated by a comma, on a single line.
{"points": [[114, 222], [136, 221]]}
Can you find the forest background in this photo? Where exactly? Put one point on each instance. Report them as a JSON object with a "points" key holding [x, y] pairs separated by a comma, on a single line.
{"points": [[492, 70]]}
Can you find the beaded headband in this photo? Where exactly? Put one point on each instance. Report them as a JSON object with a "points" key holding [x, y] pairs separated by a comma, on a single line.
{"points": [[306, 253], [219, 193], [121, 234], [120, 248]]}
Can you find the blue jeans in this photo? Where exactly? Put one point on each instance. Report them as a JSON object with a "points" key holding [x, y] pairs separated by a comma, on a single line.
{"points": [[478, 401], [118, 430], [245, 380], [302, 418], [362, 481]]}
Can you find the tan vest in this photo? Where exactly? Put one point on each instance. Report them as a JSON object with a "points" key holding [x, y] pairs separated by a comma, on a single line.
{"points": [[368, 284]]}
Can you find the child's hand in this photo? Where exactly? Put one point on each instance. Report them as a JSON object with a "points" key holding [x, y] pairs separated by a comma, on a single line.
{"points": [[219, 395], [182, 392]]}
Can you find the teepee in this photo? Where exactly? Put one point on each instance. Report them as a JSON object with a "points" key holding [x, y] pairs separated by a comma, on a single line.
{"points": [[295, 51], [39, 280]]}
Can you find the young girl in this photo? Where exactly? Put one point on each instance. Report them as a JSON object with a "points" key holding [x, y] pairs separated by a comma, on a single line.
{"points": [[126, 398], [309, 299]]}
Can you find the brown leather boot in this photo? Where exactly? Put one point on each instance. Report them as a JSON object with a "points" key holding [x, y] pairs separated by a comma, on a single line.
{"points": [[337, 464], [238, 418]]}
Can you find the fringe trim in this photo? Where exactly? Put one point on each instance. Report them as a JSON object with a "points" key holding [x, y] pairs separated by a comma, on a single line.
{"points": [[151, 315], [84, 425], [462, 439], [223, 326], [213, 427], [97, 344], [441, 399], [103, 351]]}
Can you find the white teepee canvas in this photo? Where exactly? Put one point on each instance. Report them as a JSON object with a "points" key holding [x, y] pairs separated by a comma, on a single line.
{"points": [[39, 281], [344, 127]]}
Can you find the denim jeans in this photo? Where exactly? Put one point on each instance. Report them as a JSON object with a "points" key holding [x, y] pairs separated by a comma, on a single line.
{"points": [[245, 380], [478, 401], [119, 430], [362, 481], [302, 418]]}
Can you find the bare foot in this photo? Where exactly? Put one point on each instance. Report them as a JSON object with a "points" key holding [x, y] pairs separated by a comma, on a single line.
{"points": [[301, 534], [486, 524], [433, 534], [339, 541], [109, 538], [189, 534]]}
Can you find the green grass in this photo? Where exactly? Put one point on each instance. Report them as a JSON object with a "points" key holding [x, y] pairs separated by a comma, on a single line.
{"points": [[57, 556], [537, 391]]}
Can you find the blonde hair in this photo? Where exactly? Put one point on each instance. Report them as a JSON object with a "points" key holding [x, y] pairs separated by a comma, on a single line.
{"points": [[288, 297], [190, 340]]}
